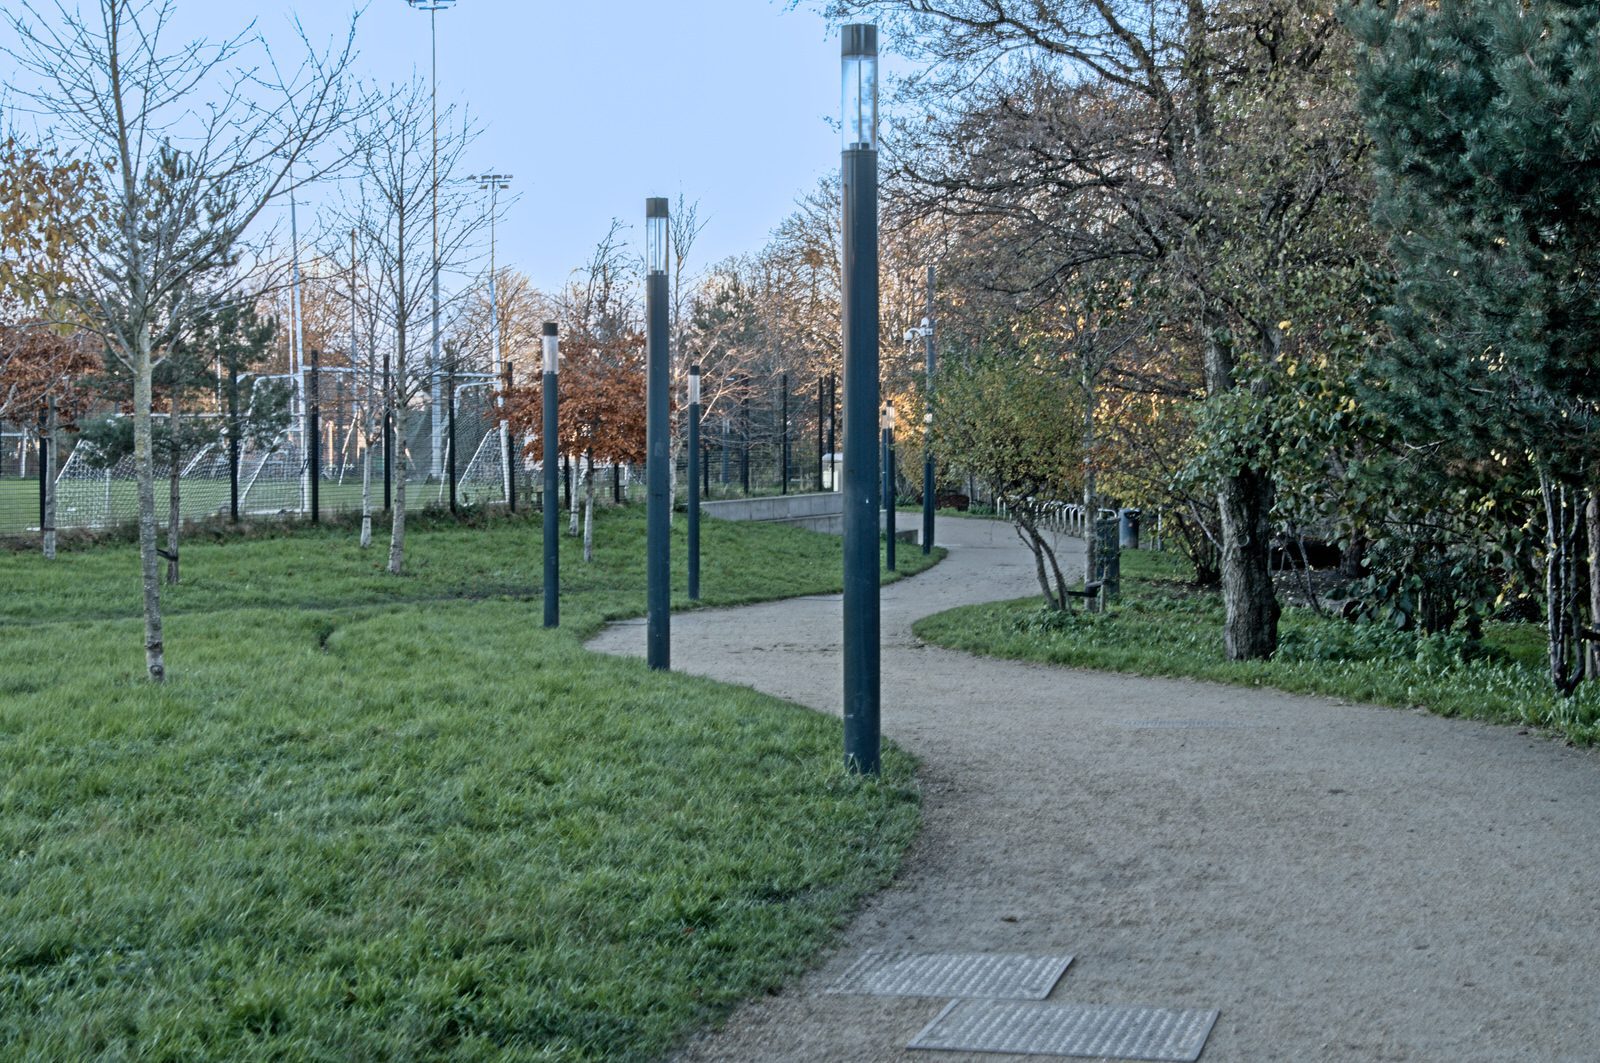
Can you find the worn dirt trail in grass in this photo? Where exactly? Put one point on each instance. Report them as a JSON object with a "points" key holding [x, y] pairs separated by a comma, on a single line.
{"points": [[1343, 882]]}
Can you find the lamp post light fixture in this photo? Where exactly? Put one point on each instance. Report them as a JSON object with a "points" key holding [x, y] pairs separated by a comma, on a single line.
{"points": [[658, 459], [888, 485], [433, 7], [552, 477], [694, 483], [929, 488], [859, 171], [494, 184]]}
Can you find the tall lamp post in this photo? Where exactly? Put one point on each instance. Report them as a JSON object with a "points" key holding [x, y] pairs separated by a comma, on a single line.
{"points": [[433, 7], [658, 460], [859, 166], [694, 483], [494, 184], [925, 334], [552, 478]]}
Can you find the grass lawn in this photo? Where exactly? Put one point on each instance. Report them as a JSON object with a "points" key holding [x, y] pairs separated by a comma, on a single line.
{"points": [[379, 818], [1166, 627]]}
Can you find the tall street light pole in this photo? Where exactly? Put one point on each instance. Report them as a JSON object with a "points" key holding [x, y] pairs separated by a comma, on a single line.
{"points": [[494, 183], [859, 166], [694, 483], [925, 333], [658, 459], [433, 7], [552, 479]]}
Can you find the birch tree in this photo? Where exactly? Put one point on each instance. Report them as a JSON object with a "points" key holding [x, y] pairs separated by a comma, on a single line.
{"points": [[389, 210], [197, 139]]}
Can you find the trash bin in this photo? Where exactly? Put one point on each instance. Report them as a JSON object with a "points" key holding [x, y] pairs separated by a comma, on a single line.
{"points": [[1129, 539]]}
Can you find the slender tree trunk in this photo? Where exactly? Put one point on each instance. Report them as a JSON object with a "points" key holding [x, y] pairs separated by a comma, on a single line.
{"points": [[366, 495], [1592, 521], [1561, 583], [588, 512], [397, 528], [47, 469], [574, 496], [149, 560], [1091, 509], [174, 487], [1055, 596]]}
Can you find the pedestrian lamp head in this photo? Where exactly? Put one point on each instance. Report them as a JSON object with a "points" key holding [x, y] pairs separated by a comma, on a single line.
{"points": [[859, 51], [694, 385], [655, 235], [552, 349]]}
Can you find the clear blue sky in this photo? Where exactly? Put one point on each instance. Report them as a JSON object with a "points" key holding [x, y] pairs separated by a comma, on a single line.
{"points": [[593, 107]]}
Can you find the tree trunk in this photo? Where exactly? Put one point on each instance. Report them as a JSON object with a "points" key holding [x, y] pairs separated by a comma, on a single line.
{"points": [[366, 495], [397, 528], [588, 512], [1091, 511], [1593, 522], [574, 496], [1055, 592], [174, 487], [1250, 631], [47, 469], [149, 560], [1561, 583]]}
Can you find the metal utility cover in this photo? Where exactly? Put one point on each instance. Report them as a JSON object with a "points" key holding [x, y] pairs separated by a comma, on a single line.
{"points": [[1012, 977], [1162, 1035]]}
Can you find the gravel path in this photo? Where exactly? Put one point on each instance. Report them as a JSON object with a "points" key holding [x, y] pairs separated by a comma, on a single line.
{"points": [[1342, 882]]}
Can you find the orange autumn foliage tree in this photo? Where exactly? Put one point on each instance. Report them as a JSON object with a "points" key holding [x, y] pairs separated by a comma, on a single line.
{"points": [[602, 410], [601, 401]]}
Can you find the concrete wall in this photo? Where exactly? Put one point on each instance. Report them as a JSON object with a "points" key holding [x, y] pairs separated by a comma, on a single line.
{"points": [[815, 512]]}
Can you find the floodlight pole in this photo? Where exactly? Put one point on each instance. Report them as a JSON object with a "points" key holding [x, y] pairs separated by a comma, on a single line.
{"points": [[433, 7], [552, 478], [694, 483], [859, 165], [658, 460]]}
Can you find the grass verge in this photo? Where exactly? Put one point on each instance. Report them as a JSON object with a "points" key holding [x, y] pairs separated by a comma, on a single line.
{"points": [[1165, 627], [377, 818]]}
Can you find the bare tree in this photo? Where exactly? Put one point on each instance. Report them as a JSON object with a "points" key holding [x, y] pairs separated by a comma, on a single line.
{"points": [[386, 209], [197, 138]]}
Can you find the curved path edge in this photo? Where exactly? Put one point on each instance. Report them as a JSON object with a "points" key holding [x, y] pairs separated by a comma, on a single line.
{"points": [[1343, 882]]}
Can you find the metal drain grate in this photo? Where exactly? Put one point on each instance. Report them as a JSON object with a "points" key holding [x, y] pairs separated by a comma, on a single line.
{"points": [[1161, 1035], [952, 975]]}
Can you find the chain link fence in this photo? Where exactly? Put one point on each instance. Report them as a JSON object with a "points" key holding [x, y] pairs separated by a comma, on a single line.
{"points": [[335, 453]]}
